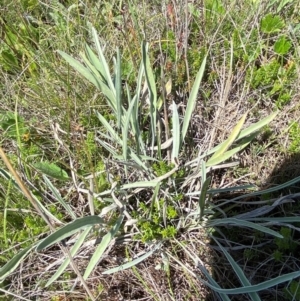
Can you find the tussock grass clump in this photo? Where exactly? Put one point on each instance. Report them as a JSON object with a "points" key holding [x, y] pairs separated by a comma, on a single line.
{"points": [[143, 149]]}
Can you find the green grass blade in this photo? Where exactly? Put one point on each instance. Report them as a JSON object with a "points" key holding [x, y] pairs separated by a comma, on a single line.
{"points": [[152, 90], [46, 211], [254, 288], [125, 128], [213, 282], [102, 247], [241, 145], [269, 190], [192, 99], [73, 251], [106, 73], [230, 189], [176, 133], [257, 126], [58, 197], [109, 149], [276, 220], [242, 223], [7, 176], [141, 184], [80, 68], [118, 88], [135, 114], [109, 128], [138, 161], [69, 230], [202, 196], [95, 62], [102, 84], [10, 266], [244, 133], [132, 263], [225, 146], [239, 272]]}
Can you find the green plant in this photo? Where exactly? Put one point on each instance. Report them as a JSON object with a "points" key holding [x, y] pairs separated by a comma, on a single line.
{"points": [[152, 228], [14, 126], [292, 292], [275, 79], [271, 24], [294, 134], [134, 156], [282, 45], [286, 244]]}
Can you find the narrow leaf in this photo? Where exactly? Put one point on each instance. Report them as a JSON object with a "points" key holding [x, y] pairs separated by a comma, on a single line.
{"points": [[73, 252], [58, 197], [235, 132], [269, 190], [252, 129], [10, 266], [202, 197], [109, 128], [152, 90], [51, 170], [80, 68], [69, 230], [241, 145], [102, 83], [254, 288], [135, 114], [125, 129], [141, 184], [133, 262], [242, 223], [118, 88], [102, 247], [239, 272], [176, 133], [106, 72], [192, 99]]}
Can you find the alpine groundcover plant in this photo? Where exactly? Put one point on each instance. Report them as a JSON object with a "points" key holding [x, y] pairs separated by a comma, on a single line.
{"points": [[137, 146], [142, 193]]}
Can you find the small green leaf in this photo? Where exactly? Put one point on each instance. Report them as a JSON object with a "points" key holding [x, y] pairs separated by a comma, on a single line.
{"points": [[271, 24], [282, 46], [51, 170]]}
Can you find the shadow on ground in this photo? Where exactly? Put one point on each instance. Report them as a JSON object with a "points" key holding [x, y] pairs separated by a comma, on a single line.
{"points": [[262, 257]]}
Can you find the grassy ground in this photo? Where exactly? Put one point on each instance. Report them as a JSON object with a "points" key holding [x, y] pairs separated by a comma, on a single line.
{"points": [[63, 152]]}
